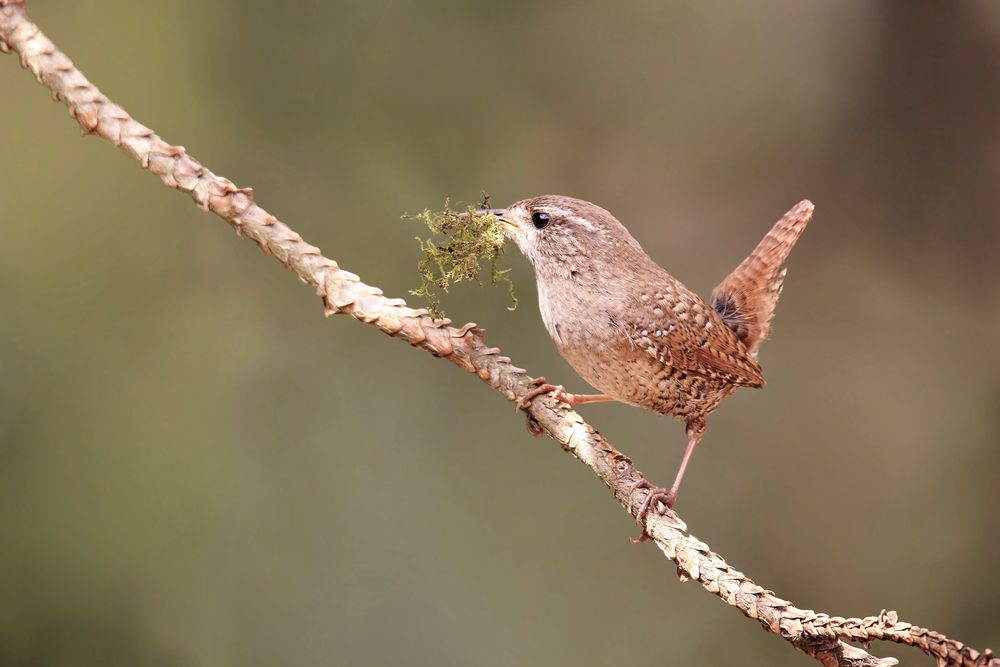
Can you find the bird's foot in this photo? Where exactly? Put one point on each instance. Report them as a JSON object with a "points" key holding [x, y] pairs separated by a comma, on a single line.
{"points": [[654, 494], [542, 386], [558, 392]]}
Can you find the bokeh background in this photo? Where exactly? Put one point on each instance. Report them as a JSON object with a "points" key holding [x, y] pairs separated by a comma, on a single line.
{"points": [[197, 469]]}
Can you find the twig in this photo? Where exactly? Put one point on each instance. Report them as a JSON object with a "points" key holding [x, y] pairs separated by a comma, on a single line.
{"points": [[818, 635]]}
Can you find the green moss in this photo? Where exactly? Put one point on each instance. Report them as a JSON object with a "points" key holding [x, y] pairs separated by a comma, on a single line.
{"points": [[459, 244]]}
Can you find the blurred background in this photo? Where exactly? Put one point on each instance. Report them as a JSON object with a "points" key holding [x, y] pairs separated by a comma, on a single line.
{"points": [[197, 469]]}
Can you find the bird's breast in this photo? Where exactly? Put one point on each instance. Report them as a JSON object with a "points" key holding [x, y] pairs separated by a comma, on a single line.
{"points": [[584, 332], [550, 316], [574, 315]]}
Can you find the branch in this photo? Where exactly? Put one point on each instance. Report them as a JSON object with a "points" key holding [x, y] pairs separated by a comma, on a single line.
{"points": [[817, 634]]}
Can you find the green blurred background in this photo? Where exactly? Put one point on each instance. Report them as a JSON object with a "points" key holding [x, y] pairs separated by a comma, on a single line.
{"points": [[197, 469]]}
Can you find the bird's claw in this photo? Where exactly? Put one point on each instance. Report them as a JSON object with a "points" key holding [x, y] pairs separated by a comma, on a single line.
{"points": [[653, 494], [542, 386], [534, 428]]}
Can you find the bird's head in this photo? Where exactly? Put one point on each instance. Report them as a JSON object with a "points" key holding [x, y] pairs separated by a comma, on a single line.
{"points": [[554, 231]]}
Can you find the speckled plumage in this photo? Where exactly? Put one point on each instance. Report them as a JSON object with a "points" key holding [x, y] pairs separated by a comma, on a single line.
{"points": [[631, 329]]}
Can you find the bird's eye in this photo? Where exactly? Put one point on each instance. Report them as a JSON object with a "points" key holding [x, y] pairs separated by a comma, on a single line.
{"points": [[539, 219]]}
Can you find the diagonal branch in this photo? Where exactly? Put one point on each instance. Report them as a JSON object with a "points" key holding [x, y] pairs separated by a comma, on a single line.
{"points": [[819, 635]]}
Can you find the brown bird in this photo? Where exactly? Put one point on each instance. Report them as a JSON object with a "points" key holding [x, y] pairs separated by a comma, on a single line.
{"points": [[635, 332]]}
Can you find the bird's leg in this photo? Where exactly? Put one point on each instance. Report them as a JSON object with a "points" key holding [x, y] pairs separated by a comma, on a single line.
{"points": [[668, 497], [580, 399], [694, 433]]}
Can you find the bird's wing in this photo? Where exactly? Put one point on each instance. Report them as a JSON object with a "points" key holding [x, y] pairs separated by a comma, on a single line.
{"points": [[680, 330]]}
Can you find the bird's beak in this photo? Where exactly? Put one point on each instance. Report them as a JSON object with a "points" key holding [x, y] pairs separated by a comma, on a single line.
{"points": [[509, 226]]}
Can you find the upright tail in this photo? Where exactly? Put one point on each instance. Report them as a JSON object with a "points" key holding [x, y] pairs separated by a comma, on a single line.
{"points": [[747, 297]]}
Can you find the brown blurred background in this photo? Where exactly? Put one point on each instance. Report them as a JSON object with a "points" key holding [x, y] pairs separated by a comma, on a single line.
{"points": [[197, 469]]}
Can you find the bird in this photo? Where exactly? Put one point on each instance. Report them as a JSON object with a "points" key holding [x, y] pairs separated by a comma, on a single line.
{"points": [[632, 330]]}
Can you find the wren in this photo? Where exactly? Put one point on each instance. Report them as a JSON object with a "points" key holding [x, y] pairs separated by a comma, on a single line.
{"points": [[635, 332]]}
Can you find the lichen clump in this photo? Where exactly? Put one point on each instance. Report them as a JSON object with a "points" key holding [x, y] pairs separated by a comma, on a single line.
{"points": [[460, 242]]}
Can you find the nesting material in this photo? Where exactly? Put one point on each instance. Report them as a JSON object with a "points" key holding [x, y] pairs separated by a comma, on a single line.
{"points": [[460, 244]]}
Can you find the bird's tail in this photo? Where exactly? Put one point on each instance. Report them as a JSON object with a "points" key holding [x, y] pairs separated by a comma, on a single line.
{"points": [[747, 297]]}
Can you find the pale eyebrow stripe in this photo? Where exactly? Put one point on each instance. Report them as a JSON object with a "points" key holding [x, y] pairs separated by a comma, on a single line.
{"points": [[582, 221], [566, 213]]}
